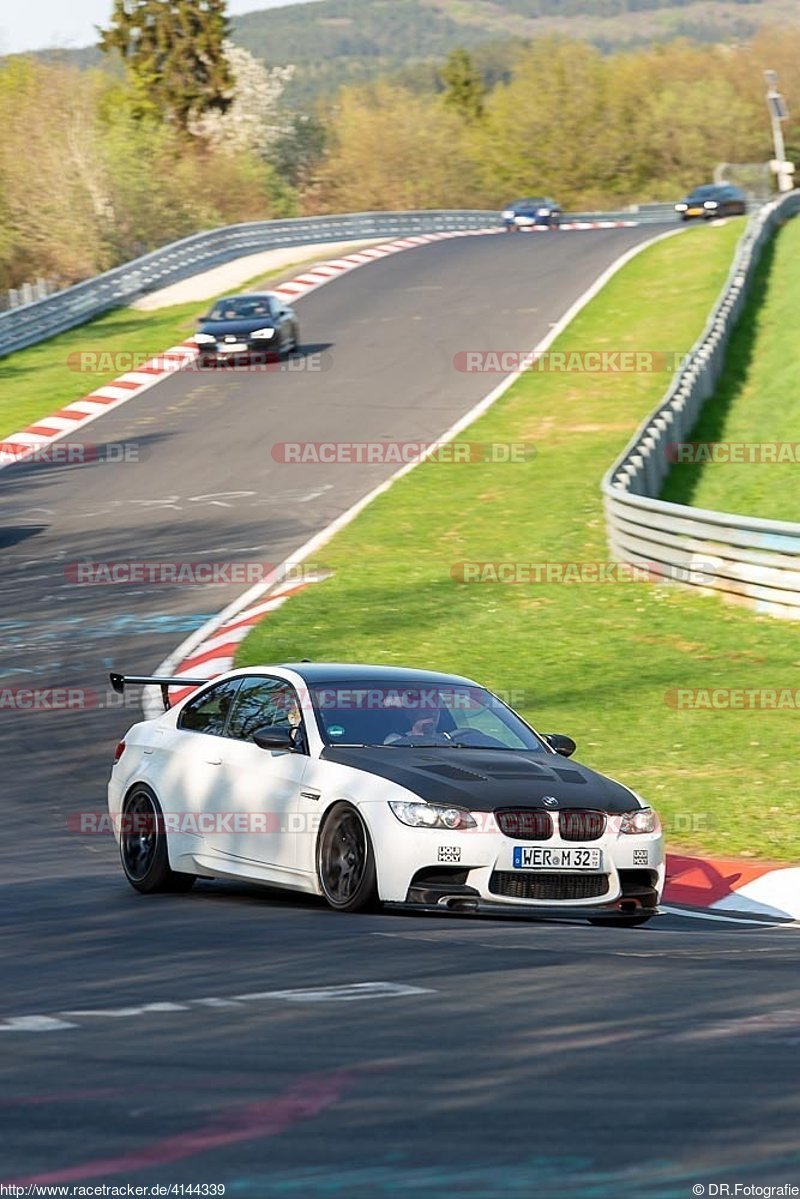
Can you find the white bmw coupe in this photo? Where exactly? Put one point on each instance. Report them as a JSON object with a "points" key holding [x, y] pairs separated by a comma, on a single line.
{"points": [[374, 784]]}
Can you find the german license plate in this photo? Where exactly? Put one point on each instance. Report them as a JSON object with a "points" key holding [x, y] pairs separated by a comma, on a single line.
{"points": [[234, 347], [694, 211], [572, 857]]}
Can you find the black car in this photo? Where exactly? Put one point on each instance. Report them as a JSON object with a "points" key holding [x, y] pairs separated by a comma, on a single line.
{"points": [[527, 214], [712, 200], [243, 327]]}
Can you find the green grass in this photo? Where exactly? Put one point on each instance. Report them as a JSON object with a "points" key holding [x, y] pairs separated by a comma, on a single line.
{"points": [[594, 661], [757, 400], [36, 382]]}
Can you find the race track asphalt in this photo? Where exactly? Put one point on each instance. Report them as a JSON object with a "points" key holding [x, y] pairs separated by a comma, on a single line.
{"points": [[142, 1040]]}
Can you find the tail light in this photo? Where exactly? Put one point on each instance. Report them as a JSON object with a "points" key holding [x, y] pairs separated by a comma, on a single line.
{"points": [[119, 751]]}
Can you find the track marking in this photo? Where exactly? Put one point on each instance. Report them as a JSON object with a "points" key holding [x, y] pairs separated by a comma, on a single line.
{"points": [[342, 994], [34, 1024], [345, 993]]}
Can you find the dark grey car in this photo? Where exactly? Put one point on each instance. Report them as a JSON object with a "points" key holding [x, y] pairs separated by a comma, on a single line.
{"points": [[247, 328]]}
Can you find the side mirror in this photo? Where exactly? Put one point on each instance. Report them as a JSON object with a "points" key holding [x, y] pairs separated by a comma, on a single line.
{"points": [[275, 736], [561, 744], [200, 319]]}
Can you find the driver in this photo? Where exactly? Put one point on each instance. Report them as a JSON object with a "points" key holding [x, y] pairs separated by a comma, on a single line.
{"points": [[419, 721], [426, 723]]}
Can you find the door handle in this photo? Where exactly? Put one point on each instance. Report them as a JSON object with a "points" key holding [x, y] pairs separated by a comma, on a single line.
{"points": [[214, 761]]}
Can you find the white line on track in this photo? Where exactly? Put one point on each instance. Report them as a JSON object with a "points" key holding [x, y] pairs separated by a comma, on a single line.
{"points": [[346, 993]]}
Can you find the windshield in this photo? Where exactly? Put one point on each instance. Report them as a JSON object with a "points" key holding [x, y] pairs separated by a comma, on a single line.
{"points": [[705, 193], [240, 308], [526, 205], [444, 716]]}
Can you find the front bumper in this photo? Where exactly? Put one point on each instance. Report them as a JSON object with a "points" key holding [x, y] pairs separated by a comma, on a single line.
{"points": [[541, 222], [246, 351], [478, 907], [432, 866]]}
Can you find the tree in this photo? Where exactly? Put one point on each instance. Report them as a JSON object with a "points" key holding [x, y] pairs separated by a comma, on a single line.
{"points": [[252, 120], [174, 54], [300, 149], [465, 90], [390, 149]]}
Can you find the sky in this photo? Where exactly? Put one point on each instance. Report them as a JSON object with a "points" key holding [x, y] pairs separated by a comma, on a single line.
{"points": [[37, 24]]}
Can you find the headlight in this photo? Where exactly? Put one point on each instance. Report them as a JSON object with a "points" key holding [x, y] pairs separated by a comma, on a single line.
{"points": [[645, 820], [428, 815], [710, 204], [265, 333], [681, 207], [202, 339], [508, 215]]}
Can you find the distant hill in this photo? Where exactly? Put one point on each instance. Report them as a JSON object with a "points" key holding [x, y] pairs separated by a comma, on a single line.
{"points": [[339, 41], [336, 41]]}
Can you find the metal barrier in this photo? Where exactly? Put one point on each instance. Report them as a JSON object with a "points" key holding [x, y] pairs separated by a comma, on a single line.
{"points": [[34, 322], [753, 561]]}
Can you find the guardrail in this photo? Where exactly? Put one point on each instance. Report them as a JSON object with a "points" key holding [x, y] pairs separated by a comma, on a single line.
{"points": [[34, 322], [753, 561]]}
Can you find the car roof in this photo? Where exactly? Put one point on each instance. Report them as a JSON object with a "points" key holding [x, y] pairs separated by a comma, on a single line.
{"points": [[317, 673]]}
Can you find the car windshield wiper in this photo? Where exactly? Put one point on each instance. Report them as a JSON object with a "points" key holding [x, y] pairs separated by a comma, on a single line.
{"points": [[351, 745]]}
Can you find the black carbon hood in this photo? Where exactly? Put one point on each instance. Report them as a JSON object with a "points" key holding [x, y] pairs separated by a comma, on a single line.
{"points": [[487, 779], [240, 326]]}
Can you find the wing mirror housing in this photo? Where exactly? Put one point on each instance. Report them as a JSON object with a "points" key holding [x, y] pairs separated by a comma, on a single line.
{"points": [[561, 743], [275, 736]]}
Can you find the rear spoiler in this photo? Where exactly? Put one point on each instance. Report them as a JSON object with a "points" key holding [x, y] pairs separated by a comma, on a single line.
{"points": [[120, 681]]}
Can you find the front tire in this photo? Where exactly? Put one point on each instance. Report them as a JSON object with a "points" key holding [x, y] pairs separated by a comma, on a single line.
{"points": [[346, 861], [143, 846]]}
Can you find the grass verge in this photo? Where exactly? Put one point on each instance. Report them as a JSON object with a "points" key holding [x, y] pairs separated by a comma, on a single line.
{"points": [[757, 400], [595, 660], [36, 382]]}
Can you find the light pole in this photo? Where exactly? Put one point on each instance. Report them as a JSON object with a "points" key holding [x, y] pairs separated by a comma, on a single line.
{"points": [[778, 112]]}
